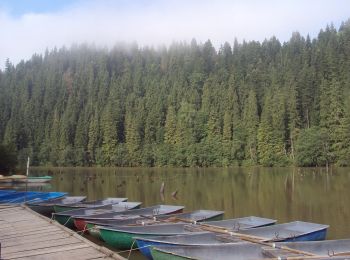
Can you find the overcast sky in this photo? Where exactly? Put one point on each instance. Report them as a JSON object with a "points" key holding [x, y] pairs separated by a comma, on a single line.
{"points": [[31, 26]]}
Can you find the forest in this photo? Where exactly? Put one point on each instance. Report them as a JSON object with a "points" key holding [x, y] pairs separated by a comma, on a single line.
{"points": [[186, 105]]}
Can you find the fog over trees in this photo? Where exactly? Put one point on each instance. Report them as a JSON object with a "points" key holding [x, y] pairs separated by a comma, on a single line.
{"points": [[251, 103]]}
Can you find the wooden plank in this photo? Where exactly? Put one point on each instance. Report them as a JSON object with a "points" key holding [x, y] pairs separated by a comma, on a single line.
{"points": [[41, 231], [25, 234], [43, 251], [35, 236], [40, 246], [28, 228], [78, 254], [23, 226], [18, 242]]}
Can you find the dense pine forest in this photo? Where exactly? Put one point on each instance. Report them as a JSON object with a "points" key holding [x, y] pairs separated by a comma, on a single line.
{"points": [[251, 103]]}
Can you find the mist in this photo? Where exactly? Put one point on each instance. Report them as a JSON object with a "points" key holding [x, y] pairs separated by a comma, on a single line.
{"points": [[154, 23]]}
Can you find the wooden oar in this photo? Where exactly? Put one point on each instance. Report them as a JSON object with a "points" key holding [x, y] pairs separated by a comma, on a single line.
{"points": [[222, 230], [249, 238], [305, 257], [345, 253], [167, 220], [289, 258]]}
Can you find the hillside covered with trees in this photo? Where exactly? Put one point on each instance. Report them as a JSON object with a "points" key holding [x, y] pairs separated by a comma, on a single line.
{"points": [[249, 103]]}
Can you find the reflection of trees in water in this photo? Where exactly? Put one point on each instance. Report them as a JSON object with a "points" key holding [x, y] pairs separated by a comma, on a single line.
{"points": [[284, 194], [289, 191]]}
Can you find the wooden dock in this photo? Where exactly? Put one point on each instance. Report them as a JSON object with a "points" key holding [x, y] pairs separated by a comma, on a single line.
{"points": [[25, 234]]}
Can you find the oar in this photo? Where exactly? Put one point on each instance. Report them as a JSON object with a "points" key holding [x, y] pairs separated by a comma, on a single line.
{"points": [[222, 230], [345, 253], [250, 238], [333, 256], [167, 220]]}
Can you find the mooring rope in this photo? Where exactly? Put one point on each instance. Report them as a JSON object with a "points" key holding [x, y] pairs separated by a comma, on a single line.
{"points": [[67, 221], [131, 249]]}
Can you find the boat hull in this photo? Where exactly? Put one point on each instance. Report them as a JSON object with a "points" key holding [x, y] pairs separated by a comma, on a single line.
{"points": [[93, 231], [119, 240], [43, 210], [43, 179], [206, 239], [5, 180], [145, 247], [313, 236], [81, 224], [163, 255], [66, 221], [21, 197], [243, 251], [62, 208]]}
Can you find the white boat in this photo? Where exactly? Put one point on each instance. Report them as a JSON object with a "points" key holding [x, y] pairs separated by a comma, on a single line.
{"points": [[40, 179]]}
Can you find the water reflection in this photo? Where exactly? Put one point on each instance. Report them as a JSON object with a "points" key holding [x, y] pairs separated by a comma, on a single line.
{"points": [[284, 194]]}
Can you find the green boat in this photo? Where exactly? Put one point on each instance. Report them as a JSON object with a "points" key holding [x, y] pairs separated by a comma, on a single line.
{"points": [[123, 237], [65, 221], [129, 217], [161, 254]]}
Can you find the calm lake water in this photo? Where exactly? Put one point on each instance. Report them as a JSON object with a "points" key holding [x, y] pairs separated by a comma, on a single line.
{"points": [[285, 194]]}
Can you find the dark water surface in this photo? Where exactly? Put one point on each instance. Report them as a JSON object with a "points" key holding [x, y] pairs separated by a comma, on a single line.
{"points": [[285, 194]]}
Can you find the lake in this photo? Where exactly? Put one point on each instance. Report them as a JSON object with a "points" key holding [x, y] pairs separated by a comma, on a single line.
{"points": [[285, 194]]}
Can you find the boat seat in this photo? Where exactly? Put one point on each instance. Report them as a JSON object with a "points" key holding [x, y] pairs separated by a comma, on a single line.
{"points": [[285, 234], [278, 253], [193, 228], [228, 239]]}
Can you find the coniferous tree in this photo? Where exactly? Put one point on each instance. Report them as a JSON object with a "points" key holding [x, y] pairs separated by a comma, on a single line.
{"points": [[185, 105]]}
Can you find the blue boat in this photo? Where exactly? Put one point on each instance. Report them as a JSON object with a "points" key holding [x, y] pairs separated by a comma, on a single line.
{"points": [[15, 195], [5, 192], [287, 232], [29, 196]]}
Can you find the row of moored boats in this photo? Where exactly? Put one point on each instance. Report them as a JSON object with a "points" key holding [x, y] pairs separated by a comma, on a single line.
{"points": [[166, 232]]}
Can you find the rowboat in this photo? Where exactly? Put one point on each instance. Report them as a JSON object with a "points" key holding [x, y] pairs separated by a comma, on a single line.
{"points": [[115, 218], [5, 179], [146, 219], [17, 177], [46, 208], [68, 218], [328, 249], [194, 216], [32, 179], [20, 197], [200, 238], [88, 204], [79, 217], [14, 195], [5, 192], [123, 237], [292, 231]]}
